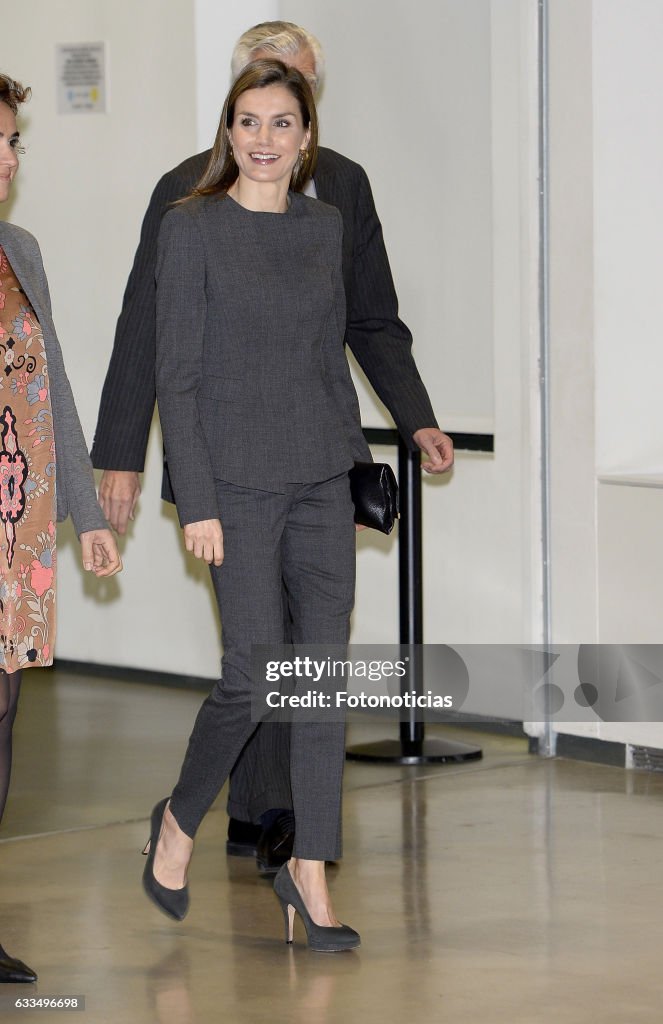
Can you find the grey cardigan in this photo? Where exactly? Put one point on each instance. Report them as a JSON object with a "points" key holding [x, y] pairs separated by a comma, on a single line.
{"points": [[75, 490]]}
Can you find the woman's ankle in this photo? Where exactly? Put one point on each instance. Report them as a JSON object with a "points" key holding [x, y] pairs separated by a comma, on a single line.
{"points": [[308, 871]]}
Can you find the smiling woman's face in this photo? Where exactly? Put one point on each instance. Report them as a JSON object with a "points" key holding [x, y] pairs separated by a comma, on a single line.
{"points": [[9, 142], [267, 133]]}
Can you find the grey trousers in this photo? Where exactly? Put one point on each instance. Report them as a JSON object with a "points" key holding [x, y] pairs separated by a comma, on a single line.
{"points": [[303, 540], [260, 780]]}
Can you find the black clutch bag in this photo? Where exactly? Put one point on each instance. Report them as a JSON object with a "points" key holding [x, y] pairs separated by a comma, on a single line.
{"points": [[375, 495]]}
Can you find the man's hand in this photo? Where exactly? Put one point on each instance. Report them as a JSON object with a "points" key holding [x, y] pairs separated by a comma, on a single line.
{"points": [[437, 446], [205, 540], [99, 553], [119, 492]]}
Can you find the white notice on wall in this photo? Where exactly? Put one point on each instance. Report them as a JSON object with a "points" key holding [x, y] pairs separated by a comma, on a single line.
{"points": [[81, 78]]}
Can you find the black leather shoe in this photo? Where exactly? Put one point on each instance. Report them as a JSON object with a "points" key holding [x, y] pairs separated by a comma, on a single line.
{"points": [[275, 844], [242, 838], [13, 971]]}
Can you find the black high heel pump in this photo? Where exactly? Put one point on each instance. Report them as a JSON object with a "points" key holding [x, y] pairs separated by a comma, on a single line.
{"points": [[321, 938], [173, 902]]}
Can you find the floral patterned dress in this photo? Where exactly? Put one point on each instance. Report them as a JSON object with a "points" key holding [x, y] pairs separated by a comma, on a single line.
{"points": [[27, 484]]}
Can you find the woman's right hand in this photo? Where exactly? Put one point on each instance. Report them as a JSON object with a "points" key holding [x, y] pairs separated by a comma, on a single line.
{"points": [[205, 540], [99, 553]]}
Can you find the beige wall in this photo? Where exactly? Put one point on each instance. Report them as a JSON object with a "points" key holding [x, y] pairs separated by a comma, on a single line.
{"points": [[82, 190], [448, 142], [438, 101], [434, 100], [628, 213], [606, 164]]}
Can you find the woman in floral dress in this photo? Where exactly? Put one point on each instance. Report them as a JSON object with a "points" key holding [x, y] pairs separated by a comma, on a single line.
{"points": [[27, 495], [39, 428]]}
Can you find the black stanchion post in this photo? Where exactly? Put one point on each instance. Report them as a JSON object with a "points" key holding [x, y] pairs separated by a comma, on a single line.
{"points": [[411, 747], [411, 592]]}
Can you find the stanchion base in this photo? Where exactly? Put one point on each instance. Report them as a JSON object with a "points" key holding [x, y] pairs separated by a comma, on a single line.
{"points": [[432, 752]]}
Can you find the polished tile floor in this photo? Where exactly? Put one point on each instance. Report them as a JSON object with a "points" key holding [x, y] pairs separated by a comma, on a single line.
{"points": [[510, 889]]}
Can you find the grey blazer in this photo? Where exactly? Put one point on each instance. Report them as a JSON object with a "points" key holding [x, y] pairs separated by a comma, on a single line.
{"points": [[252, 382], [76, 495]]}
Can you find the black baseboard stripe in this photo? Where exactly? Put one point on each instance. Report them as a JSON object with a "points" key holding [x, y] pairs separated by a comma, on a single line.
{"points": [[577, 748], [133, 675], [586, 748]]}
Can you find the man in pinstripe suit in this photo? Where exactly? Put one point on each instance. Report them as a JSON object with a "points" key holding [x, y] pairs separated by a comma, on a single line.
{"points": [[379, 340]]}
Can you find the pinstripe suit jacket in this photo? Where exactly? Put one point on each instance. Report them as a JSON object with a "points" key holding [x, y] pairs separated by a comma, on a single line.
{"points": [[76, 495], [379, 340]]}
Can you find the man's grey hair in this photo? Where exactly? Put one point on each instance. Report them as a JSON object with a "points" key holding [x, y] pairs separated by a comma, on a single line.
{"points": [[278, 39]]}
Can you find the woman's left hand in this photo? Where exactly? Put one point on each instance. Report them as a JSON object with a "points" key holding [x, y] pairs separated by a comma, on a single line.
{"points": [[99, 553]]}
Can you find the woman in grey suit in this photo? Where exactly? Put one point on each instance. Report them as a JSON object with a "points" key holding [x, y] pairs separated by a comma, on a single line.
{"points": [[41, 443], [261, 425]]}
